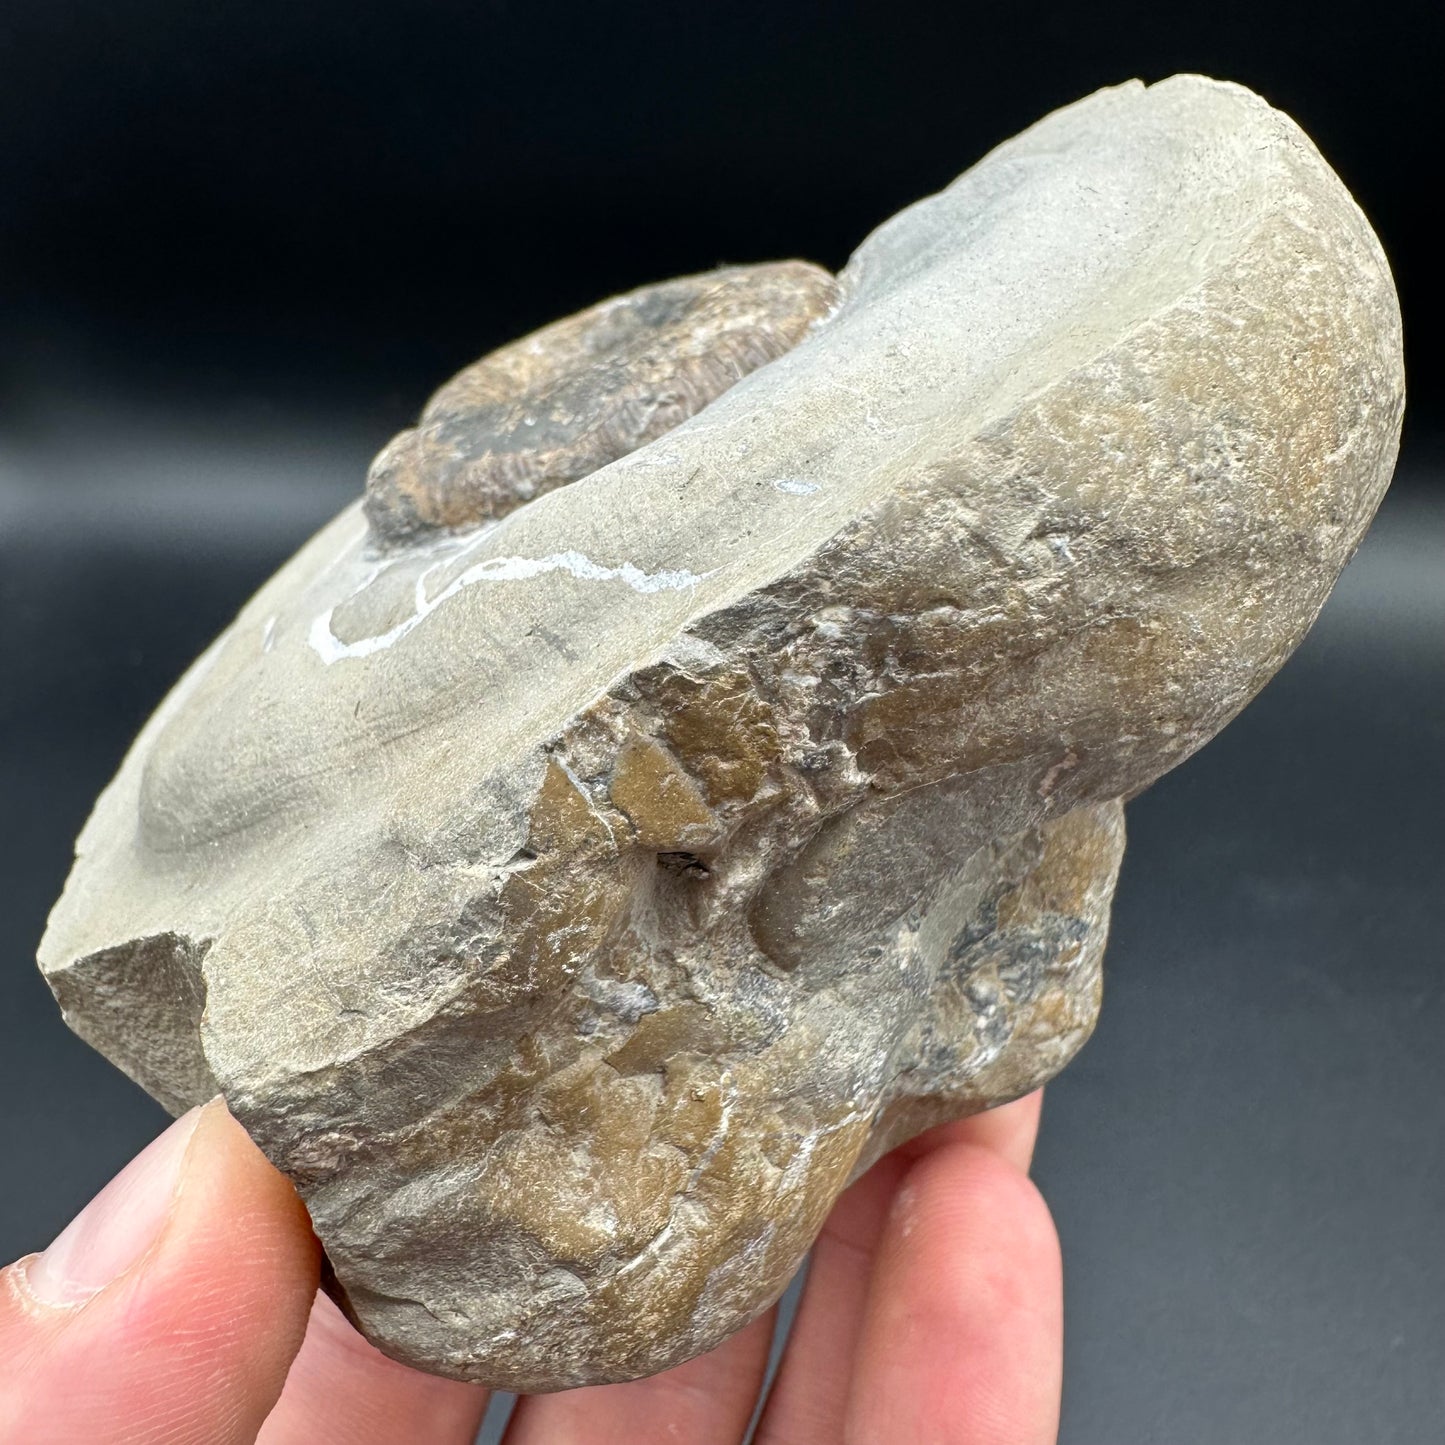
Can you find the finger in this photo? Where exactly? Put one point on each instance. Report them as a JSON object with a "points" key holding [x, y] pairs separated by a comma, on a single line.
{"points": [[962, 1340], [168, 1311], [808, 1401], [707, 1401], [1011, 1131], [342, 1389]]}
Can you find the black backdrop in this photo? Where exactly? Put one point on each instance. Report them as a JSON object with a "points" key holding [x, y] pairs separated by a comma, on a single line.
{"points": [[240, 242], [280, 201]]}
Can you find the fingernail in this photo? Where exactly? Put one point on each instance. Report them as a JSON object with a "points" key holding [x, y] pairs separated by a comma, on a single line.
{"points": [[117, 1226]]}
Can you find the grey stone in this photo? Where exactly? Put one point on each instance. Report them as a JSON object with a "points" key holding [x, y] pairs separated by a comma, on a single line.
{"points": [[572, 889]]}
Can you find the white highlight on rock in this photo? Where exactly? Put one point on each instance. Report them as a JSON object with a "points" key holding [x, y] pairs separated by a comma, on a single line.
{"points": [[330, 648], [586, 797], [795, 486], [507, 569]]}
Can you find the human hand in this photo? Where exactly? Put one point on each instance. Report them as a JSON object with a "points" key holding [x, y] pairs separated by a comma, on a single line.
{"points": [[180, 1308]]}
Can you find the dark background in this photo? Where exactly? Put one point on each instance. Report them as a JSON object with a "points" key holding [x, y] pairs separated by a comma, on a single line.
{"points": [[240, 243]]}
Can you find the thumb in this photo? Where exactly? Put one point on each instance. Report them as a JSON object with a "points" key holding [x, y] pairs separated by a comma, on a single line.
{"points": [[170, 1308]]}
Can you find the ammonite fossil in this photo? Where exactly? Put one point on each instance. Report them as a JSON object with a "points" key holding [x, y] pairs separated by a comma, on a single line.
{"points": [[697, 765]]}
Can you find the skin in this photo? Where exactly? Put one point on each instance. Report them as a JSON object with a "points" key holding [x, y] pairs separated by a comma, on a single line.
{"points": [[932, 1315]]}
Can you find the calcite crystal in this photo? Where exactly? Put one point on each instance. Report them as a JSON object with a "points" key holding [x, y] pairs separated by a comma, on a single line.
{"points": [[697, 766]]}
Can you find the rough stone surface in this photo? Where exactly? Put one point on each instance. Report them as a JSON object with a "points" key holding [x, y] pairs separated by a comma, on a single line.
{"points": [[558, 405], [572, 903]]}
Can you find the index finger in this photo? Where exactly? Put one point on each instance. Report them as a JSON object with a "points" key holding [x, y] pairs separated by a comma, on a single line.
{"points": [[808, 1400], [962, 1338]]}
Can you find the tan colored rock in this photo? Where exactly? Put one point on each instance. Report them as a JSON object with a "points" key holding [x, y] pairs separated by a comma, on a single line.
{"points": [[580, 393], [572, 903]]}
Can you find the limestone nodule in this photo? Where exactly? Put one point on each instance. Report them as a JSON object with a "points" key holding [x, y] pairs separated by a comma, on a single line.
{"points": [[698, 765]]}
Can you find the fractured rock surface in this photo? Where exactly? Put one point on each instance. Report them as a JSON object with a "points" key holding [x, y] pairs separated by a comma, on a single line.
{"points": [[698, 766]]}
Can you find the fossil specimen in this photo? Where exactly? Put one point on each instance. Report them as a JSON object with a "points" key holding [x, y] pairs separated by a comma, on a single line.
{"points": [[556, 406], [698, 765]]}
